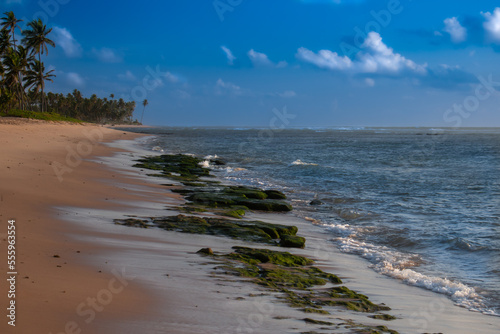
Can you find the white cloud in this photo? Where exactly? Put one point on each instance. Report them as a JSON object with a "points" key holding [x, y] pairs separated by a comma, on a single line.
{"points": [[222, 88], [230, 57], [287, 94], [325, 59], [492, 24], [75, 79], [282, 64], [181, 94], [375, 57], [370, 82], [63, 38], [171, 77], [457, 32], [106, 55], [127, 76], [259, 59]]}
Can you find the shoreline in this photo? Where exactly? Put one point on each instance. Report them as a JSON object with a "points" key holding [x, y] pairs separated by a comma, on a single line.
{"points": [[189, 299]]}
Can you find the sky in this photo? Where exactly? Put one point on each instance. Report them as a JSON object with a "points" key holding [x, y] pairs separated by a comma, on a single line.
{"points": [[280, 63]]}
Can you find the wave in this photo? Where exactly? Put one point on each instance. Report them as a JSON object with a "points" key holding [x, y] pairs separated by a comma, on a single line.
{"points": [[299, 162], [400, 265], [157, 149], [464, 245], [205, 164]]}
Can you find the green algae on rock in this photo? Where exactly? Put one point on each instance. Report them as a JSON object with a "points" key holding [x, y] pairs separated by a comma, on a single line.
{"points": [[212, 194], [179, 166], [297, 280], [255, 231]]}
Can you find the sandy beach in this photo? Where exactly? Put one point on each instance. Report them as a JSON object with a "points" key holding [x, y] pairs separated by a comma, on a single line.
{"points": [[77, 272], [52, 279]]}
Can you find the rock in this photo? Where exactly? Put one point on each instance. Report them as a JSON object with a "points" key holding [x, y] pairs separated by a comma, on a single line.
{"points": [[292, 241], [315, 202], [266, 205], [206, 251], [218, 162], [275, 194], [246, 192], [132, 222]]}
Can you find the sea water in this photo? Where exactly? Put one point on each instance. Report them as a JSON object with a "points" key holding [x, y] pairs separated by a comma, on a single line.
{"points": [[421, 205]]}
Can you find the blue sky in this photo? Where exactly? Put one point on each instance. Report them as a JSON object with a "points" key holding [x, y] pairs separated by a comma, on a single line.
{"points": [[239, 62]]}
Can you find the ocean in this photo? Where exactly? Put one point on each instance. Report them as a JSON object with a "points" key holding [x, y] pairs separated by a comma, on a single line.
{"points": [[421, 205]]}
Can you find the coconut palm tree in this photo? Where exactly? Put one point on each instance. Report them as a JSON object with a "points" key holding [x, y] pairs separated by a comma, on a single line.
{"points": [[9, 24], [15, 63], [35, 38], [33, 80], [144, 103], [4, 41]]}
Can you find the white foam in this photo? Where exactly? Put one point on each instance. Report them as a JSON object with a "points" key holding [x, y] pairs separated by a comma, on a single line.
{"points": [[158, 149], [205, 164], [398, 265], [299, 162]]}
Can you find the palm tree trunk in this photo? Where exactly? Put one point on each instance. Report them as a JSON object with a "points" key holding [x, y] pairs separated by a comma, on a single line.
{"points": [[41, 82]]}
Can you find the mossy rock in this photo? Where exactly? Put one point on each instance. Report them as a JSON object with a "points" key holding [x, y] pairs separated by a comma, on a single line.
{"points": [[235, 213], [292, 241], [212, 199], [194, 184], [246, 192], [314, 310], [354, 301], [206, 251], [185, 224], [275, 194], [386, 317], [318, 322], [266, 205], [297, 279], [132, 222], [187, 167], [275, 257], [256, 231]]}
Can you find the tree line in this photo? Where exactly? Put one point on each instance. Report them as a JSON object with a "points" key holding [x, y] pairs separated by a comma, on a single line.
{"points": [[23, 76]]}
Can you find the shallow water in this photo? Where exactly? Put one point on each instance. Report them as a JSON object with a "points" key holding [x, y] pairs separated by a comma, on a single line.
{"points": [[421, 205]]}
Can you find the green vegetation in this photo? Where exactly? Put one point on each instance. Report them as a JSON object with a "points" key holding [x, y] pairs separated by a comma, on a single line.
{"points": [[318, 322], [93, 109], [45, 116], [297, 281], [232, 201], [182, 167], [386, 317], [23, 77], [255, 231]]}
